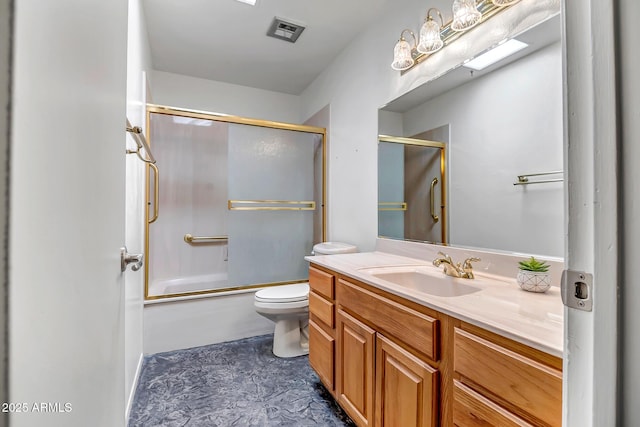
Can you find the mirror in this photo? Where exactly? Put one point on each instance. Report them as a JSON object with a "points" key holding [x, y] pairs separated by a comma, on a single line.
{"points": [[501, 128]]}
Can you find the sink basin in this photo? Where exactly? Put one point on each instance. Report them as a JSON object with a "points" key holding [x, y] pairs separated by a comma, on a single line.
{"points": [[426, 279]]}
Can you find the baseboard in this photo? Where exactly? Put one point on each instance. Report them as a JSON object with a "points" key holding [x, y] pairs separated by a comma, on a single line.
{"points": [[132, 392]]}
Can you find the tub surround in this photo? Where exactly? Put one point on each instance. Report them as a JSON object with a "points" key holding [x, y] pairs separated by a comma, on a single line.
{"points": [[535, 320]]}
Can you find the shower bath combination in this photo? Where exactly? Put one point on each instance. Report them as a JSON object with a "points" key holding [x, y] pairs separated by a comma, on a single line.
{"points": [[233, 203]]}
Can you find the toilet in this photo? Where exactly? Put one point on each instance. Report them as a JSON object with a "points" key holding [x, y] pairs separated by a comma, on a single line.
{"points": [[288, 307]]}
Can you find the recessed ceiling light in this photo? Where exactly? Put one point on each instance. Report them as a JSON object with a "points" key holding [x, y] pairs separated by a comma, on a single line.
{"points": [[251, 2], [496, 54]]}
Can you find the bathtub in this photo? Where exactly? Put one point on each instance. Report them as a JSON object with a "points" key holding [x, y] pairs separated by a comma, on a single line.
{"points": [[189, 284]]}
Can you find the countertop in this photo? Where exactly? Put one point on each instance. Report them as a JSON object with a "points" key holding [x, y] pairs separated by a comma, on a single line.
{"points": [[533, 319]]}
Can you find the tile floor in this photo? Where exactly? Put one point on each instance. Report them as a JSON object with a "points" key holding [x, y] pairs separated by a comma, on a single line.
{"points": [[238, 383]]}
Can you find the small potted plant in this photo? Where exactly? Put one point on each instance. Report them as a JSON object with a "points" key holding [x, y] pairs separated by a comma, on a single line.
{"points": [[533, 275]]}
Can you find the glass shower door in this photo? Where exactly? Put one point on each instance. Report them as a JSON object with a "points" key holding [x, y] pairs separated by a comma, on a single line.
{"points": [[274, 203], [188, 245], [411, 195], [239, 205]]}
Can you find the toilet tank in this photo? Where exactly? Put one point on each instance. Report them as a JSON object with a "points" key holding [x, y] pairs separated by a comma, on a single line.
{"points": [[332, 248]]}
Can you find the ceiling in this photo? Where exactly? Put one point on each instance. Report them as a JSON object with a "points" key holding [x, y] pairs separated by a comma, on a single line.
{"points": [[225, 40]]}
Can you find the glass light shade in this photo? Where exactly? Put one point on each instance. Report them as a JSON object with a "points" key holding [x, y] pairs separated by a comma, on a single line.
{"points": [[430, 40], [402, 58], [503, 2], [465, 15]]}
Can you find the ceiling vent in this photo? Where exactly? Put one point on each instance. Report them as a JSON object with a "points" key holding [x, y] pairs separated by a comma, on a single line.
{"points": [[285, 30]]}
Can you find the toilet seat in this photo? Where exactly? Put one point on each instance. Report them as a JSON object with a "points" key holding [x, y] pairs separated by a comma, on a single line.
{"points": [[284, 294]]}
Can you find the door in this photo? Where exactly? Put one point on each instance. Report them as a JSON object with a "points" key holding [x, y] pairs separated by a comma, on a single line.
{"points": [[406, 388], [591, 151], [355, 368], [67, 183]]}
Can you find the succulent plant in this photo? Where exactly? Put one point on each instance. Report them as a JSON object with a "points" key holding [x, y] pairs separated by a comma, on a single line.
{"points": [[534, 265]]}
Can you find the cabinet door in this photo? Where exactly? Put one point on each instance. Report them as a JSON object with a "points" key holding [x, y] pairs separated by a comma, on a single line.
{"points": [[355, 368], [321, 353], [406, 388]]}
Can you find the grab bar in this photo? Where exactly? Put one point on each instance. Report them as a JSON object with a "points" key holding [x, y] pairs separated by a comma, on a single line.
{"points": [[141, 142], [524, 179], [433, 200], [156, 192], [204, 239]]}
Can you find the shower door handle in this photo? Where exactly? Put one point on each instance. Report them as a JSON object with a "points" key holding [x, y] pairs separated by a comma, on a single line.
{"points": [[126, 258], [156, 192], [433, 200]]}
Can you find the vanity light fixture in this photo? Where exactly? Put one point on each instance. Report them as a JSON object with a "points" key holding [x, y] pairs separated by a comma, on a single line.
{"points": [[434, 36], [251, 2], [402, 56], [430, 38], [465, 15], [496, 54]]}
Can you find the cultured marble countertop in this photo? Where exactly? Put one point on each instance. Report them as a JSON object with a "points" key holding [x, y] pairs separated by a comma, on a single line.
{"points": [[533, 319]]}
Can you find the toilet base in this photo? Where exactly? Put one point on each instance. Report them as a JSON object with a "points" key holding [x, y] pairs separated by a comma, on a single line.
{"points": [[291, 337]]}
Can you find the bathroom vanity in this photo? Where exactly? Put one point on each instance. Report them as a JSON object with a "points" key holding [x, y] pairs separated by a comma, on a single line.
{"points": [[394, 353]]}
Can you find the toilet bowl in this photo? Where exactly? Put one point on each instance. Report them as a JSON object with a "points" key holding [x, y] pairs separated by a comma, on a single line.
{"points": [[288, 307]]}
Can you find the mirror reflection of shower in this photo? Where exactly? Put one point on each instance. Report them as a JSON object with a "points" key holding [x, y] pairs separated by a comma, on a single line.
{"points": [[238, 205], [412, 187]]}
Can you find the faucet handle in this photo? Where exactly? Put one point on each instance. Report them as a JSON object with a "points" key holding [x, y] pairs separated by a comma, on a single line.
{"points": [[445, 256], [472, 259], [467, 268]]}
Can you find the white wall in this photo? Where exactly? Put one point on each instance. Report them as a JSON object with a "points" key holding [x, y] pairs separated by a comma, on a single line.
{"points": [[360, 80], [193, 93], [503, 124], [138, 61]]}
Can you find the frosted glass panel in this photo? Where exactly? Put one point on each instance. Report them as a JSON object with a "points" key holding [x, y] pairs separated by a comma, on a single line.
{"points": [[268, 246], [191, 156], [390, 189]]}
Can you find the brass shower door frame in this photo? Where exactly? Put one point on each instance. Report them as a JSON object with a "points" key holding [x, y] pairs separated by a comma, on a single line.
{"points": [[218, 117], [443, 169]]}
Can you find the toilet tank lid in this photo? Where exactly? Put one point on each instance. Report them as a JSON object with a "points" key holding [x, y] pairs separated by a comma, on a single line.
{"points": [[330, 248], [285, 293]]}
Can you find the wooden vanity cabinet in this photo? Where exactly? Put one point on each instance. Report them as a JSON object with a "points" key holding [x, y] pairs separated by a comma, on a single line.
{"points": [[390, 362]]}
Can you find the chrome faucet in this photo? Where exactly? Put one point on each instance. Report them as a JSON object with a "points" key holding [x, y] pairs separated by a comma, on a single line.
{"points": [[464, 270]]}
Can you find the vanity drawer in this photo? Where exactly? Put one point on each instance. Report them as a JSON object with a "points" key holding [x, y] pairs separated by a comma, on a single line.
{"points": [[524, 385], [409, 326], [321, 282], [471, 409], [322, 309]]}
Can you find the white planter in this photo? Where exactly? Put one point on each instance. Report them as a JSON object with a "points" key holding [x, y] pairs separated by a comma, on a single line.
{"points": [[533, 281]]}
